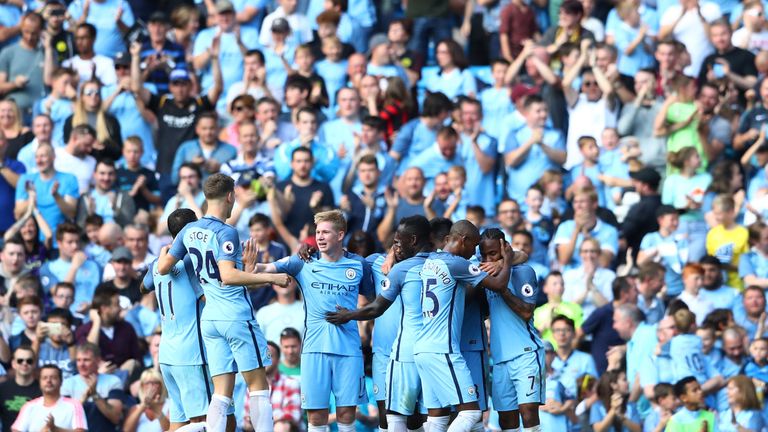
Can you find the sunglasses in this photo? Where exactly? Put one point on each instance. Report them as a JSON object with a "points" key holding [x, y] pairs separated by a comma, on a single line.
{"points": [[91, 92], [589, 83], [28, 361]]}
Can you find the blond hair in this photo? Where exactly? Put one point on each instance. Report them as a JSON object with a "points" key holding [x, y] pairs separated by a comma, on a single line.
{"points": [[80, 115], [151, 374], [334, 217]]}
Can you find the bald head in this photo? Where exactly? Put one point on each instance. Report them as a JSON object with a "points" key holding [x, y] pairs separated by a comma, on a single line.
{"points": [[466, 229], [110, 236]]}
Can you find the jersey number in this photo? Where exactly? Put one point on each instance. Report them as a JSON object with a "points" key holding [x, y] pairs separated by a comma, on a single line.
{"points": [[428, 294], [694, 362], [211, 268]]}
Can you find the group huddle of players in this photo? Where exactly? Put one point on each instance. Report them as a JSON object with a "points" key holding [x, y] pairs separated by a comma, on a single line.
{"points": [[429, 339]]}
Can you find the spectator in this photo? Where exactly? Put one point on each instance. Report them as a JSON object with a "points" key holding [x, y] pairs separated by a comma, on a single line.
{"points": [[72, 267], [115, 338], [23, 387], [290, 349], [177, 112], [99, 393], [407, 200], [635, 226], [569, 363], [301, 28], [637, 120], [135, 178], [517, 24], [688, 22], [737, 65], [589, 284], [125, 280], [365, 203], [543, 316], [326, 162], [567, 28], [59, 39], [55, 341], [284, 312], [76, 157], [42, 128], [89, 111], [88, 63], [104, 200], [600, 323], [19, 79], [189, 193], [727, 241], [585, 223], [151, 413], [159, 55], [751, 313], [285, 395], [30, 310], [15, 133], [453, 79], [439, 157], [12, 262], [418, 134], [752, 269], [207, 151], [51, 411]]}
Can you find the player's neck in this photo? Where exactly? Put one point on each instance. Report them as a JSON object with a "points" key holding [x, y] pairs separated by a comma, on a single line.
{"points": [[332, 255], [217, 211]]}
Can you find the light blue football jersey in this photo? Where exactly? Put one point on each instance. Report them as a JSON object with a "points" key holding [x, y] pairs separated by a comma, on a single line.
{"points": [[324, 285], [688, 358], [510, 335], [179, 299], [385, 326], [404, 283], [444, 278], [473, 331], [209, 241]]}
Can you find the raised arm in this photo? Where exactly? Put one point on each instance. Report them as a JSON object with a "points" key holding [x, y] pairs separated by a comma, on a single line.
{"points": [[137, 84], [230, 275]]}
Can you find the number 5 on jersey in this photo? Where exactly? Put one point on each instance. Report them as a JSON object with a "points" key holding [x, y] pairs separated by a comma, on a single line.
{"points": [[429, 303]]}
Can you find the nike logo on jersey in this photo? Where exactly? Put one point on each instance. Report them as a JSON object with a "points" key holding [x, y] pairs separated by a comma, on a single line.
{"points": [[316, 270], [529, 394]]}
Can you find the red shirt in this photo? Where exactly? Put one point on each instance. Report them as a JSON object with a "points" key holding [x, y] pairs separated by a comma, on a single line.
{"points": [[519, 24]]}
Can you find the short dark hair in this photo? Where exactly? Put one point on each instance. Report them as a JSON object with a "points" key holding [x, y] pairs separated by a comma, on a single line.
{"points": [[94, 219], [418, 226], [436, 104], [259, 219], [106, 161], [89, 27], [620, 285], [302, 150], [217, 186], [650, 270], [30, 301], [682, 384], [569, 322], [179, 218], [439, 227], [375, 123], [15, 240], [194, 167], [290, 332], [67, 228], [448, 132], [532, 99], [210, 115], [525, 233], [306, 110], [298, 82], [661, 390], [60, 313], [709, 259], [368, 159], [103, 297], [52, 367], [255, 53]]}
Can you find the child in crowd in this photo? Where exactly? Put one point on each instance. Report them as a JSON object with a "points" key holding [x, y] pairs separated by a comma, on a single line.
{"points": [[664, 405], [613, 408], [589, 168], [633, 40], [693, 416], [333, 68], [540, 226], [554, 287], [140, 182], [476, 215], [496, 100], [304, 63], [727, 241], [757, 366], [554, 205], [614, 167], [457, 202]]}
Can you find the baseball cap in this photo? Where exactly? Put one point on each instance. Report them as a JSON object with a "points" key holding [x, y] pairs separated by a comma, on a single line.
{"points": [[224, 6], [121, 254], [179, 75], [123, 59], [280, 25], [376, 40], [648, 176]]}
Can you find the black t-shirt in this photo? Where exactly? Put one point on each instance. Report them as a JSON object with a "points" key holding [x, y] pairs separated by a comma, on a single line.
{"points": [[63, 46], [126, 178], [14, 397], [175, 125], [300, 213], [16, 143], [132, 291]]}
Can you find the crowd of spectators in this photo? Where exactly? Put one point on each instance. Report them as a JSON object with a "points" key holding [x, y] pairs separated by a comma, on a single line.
{"points": [[621, 145]]}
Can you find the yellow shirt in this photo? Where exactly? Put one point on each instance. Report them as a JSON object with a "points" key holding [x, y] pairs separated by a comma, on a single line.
{"points": [[727, 245]]}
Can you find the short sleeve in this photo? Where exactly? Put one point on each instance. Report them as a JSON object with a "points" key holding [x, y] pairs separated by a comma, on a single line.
{"points": [[648, 373], [563, 233], [291, 265], [21, 188], [229, 245], [596, 413], [525, 282], [22, 419], [464, 271], [149, 280], [79, 420], [393, 284], [511, 142], [68, 186], [178, 250], [745, 266]]}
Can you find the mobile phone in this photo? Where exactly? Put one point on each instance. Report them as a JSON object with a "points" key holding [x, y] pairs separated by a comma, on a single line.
{"points": [[54, 329]]}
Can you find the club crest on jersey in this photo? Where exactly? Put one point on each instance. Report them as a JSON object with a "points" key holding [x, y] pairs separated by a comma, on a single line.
{"points": [[527, 290], [375, 389], [385, 284], [228, 247], [471, 390], [350, 274], [474, 270]]}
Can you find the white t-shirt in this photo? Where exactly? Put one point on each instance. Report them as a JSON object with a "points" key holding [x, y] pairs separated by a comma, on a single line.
{"points": [[105, 68], [276, 317], [67, 414], [690, 31], [81, 168], [756, 43], [587, 119]]}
